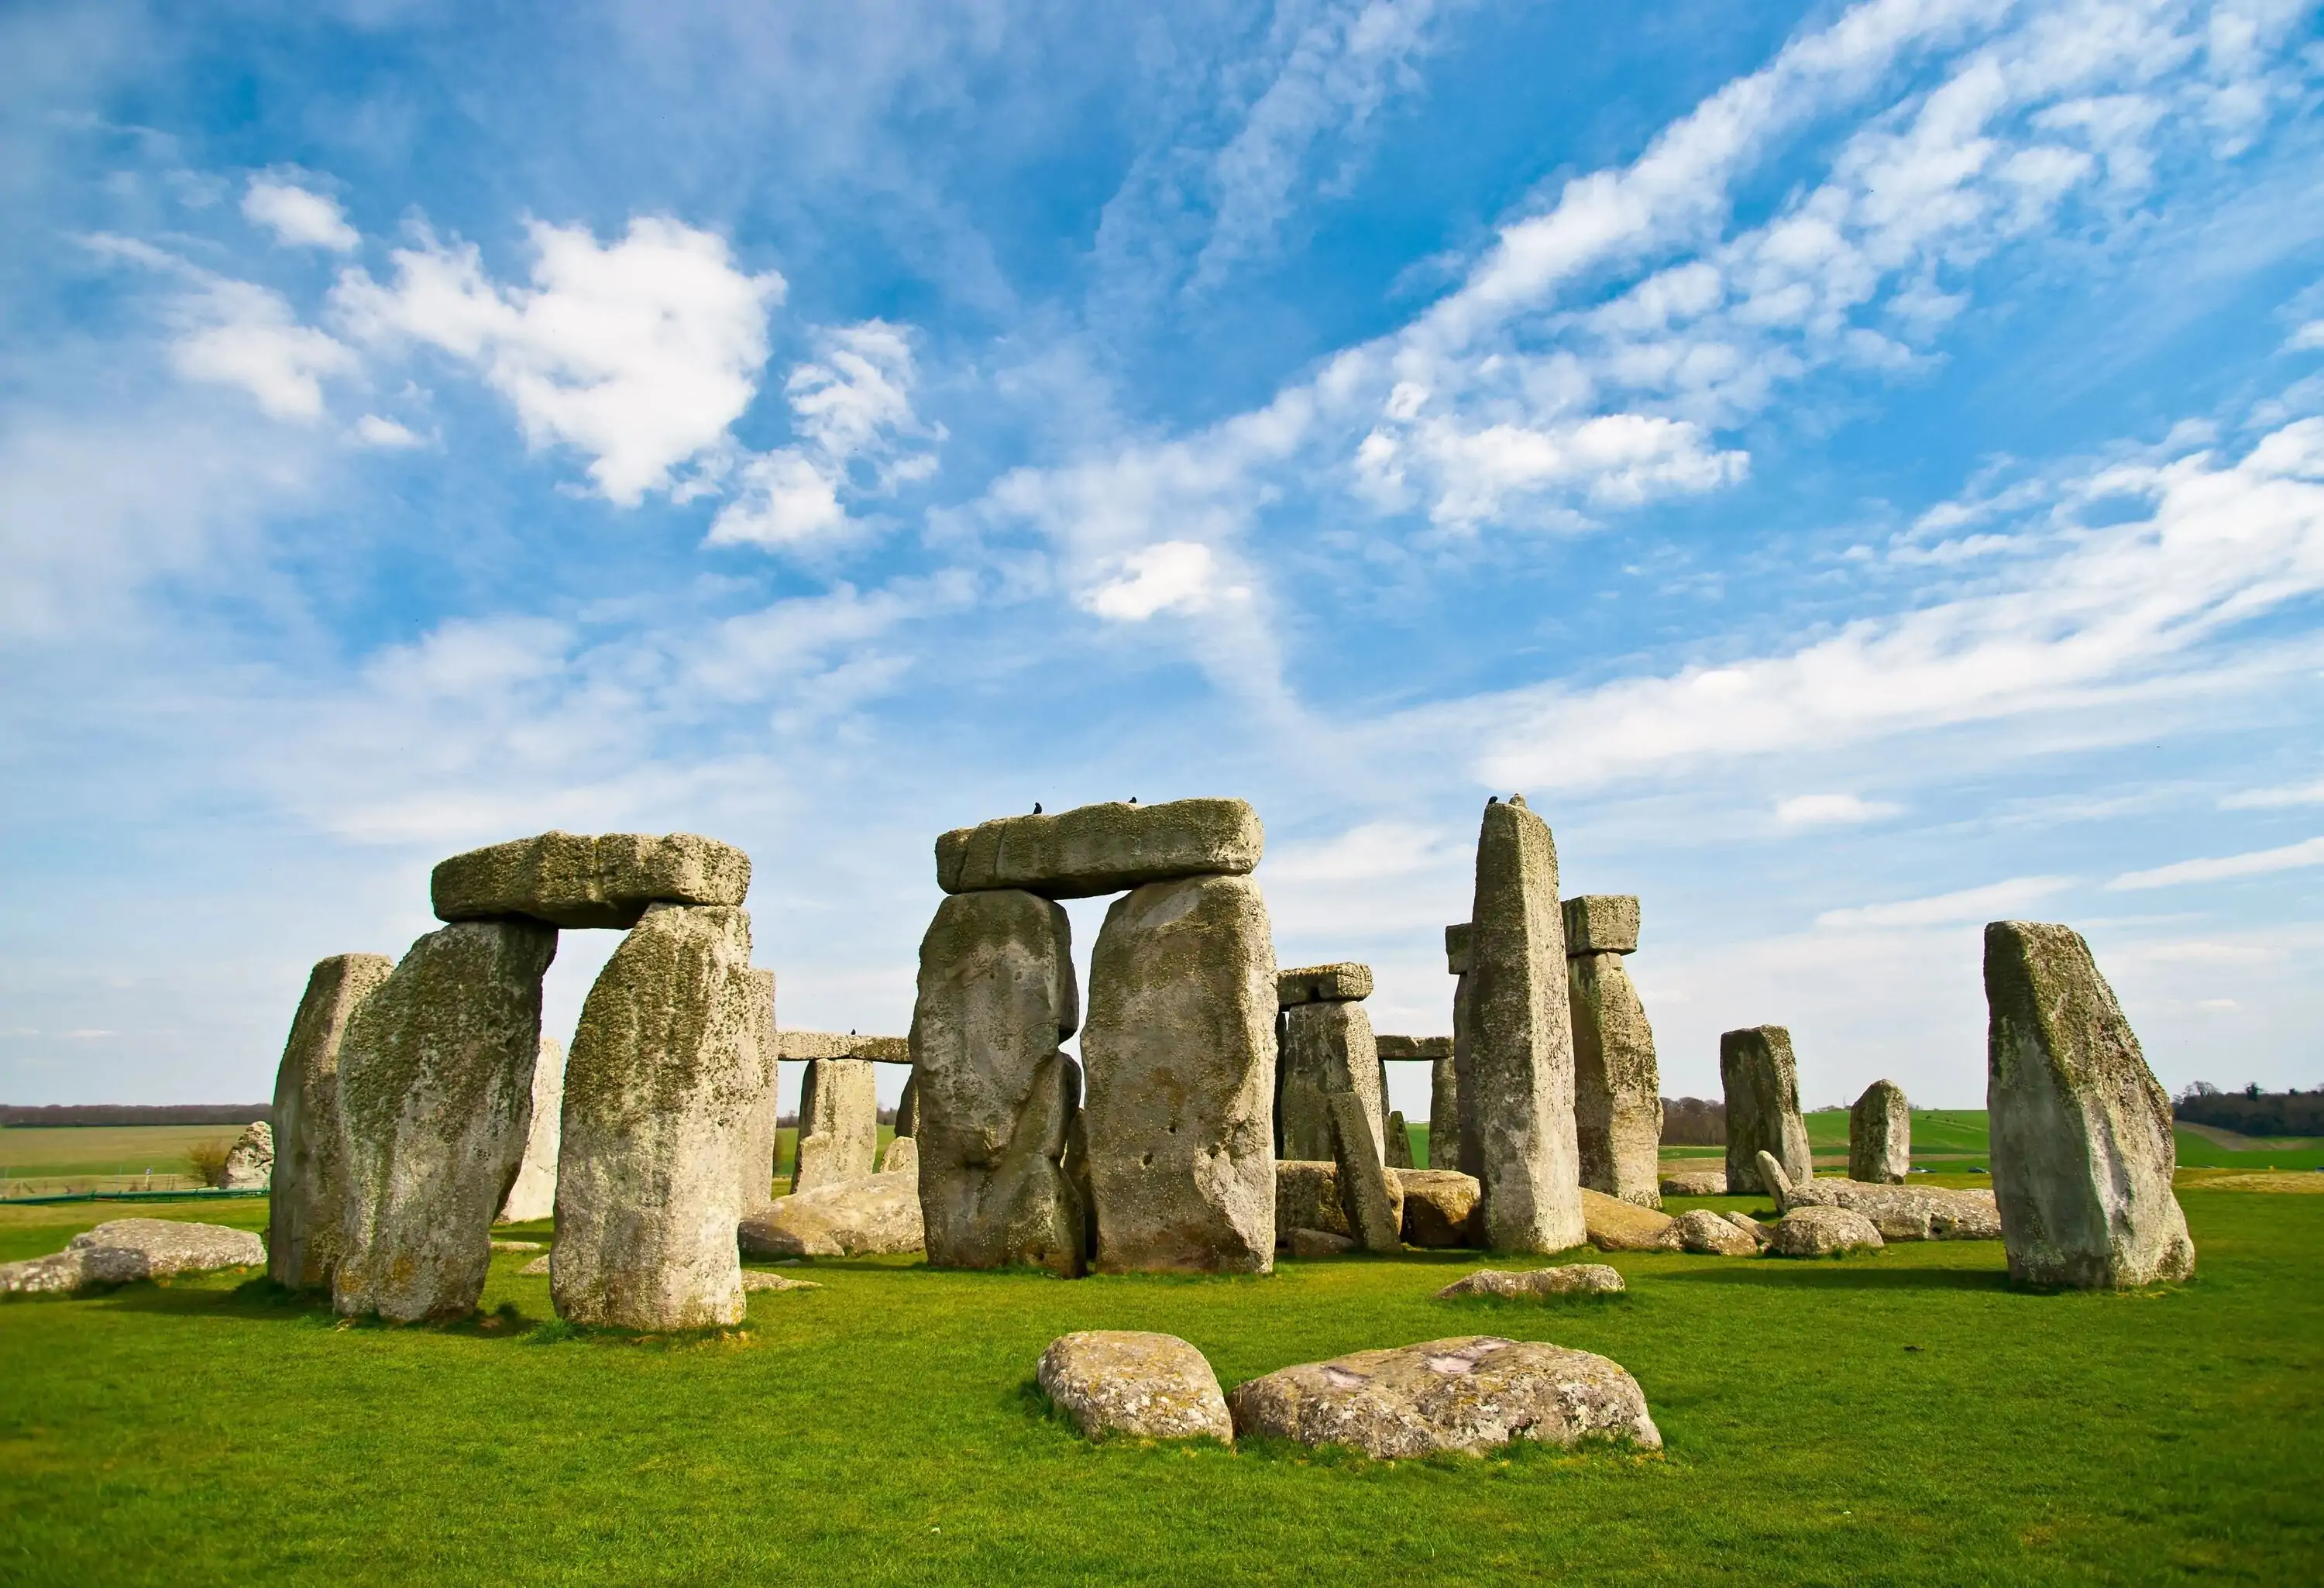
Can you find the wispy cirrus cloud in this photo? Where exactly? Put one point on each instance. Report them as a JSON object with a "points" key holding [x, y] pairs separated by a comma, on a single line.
{"points": [[2258, 863]]}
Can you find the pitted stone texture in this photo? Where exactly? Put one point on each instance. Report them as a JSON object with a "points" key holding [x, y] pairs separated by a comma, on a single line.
{"points": [[1517, 1093], [1749, 1225], [249, 1162], [538, 1269], [665, 1075], [1616, 1225], [1427, 1049], [435, 1108], [757, 1279], [2082, 1146], [1900, 1213], [1573, 1278], [901, 1157], [1696, 1182], [1438, 1204], [1602, 923], [1399, 1145], [1180, 1049], [1100, 849], [1471, 1393], [533, 1195], [1370, 1197], [1880, 1135], [572, 880], [1326, 1048], [1618, 1101], [1460, 939], [1973, 1215], [1822, 1231], [839, 1123], [306, 1203], [1322, 983], [756, 1165], [1127, 1381], [1307, 1197], [798, 1046], [1762, 1083], [996, 1099], [1444, 1116], [1714, 1235], [878, 1215], [120, 1252]]}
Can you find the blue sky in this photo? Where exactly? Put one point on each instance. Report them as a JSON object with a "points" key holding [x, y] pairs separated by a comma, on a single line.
{"points": [[1858, 469]]}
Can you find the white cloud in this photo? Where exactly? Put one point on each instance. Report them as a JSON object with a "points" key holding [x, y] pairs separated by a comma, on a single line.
{"points": [[299, 217], [2259, 863], [2275, 799], [1171, 576], [639, 352], [238, 334], [1808, 810], [2308, 338], [1367, 853], [374, 430], [1994, 901]]}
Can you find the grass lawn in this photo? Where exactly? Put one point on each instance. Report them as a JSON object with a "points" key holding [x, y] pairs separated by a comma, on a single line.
{"points": [[48, 1151], [1904, 1417]]}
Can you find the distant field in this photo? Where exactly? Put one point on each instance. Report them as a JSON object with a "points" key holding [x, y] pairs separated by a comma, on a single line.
{"points": [[44, 1152]]}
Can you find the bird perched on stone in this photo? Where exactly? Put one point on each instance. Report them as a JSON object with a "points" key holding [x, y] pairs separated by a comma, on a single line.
{"points": [[1037, 808]]}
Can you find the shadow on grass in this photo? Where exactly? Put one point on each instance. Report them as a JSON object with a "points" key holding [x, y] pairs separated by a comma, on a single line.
{"points": [[1828, 1274]]}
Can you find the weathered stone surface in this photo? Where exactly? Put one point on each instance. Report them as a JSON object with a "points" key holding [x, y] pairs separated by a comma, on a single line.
{"points": [[1822, 1231], [1325, 1047], [1180, 1051], [1749, 1225], [1602, 923], [1880, 1135], [1307, 1197], [1444, 1116], [878, 1215], [123, 1250], [570, 879], [756, 1162], [2082, 1146], [1438, 1204], [995, 1097], [1616, 1225], [1900, 1213], [1370, 1197], [1463, 1149], [1399, 1142], [435, 1108], [1573, 1278], [537, 1268], [1618, 1101], [1460, 941], [1696, 1182], [839, 1123], [507, 1246], [797, 1047], [305, 1201], [1424, 1050], [908, 1107], [666, 1074], [1102, 849], [1471, 1393], [1708, 1232], [902, 1158], [1304, 1243], [533, 1195], [1762, 1083], [757, 1279], [1127, 1381], [1972, 1216], [1322, 983], [249, 1162]]}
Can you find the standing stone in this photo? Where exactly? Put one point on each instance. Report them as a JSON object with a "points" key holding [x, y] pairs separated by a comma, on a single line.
{"points": [[533, 1195], [1762, 1082], [435, 1108], [668, 1069], [1327, 1049], [2082, 1146], [249, 1162], [907, 1107], [1399, 1142], [1880, 1135], [757, 1163], [1370, 1198], [839, 1123], [309, 1193], [1617, 1101], [1463, 1155], [1180, 1047], [995, 1097], [1443, 1116], [1519, 1088]]}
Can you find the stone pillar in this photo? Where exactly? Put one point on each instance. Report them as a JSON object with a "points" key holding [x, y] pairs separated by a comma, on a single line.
{"points": [[1180, 1047], [667, 1069], [1399, 1145], [533, 1195], [1517, 1093], [1617, 1096], [308, 1191], [756, 1165], [839, 1123], [435, 1107], [2082, 1146], [1326, 1048], [1371, 1199], [995, 1098], [1444, 1116], [1762, 1083], [1457, 961], [1880, 1136], [907, 1107]]}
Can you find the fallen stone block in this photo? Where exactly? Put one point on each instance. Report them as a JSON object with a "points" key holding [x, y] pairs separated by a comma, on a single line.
{"points": [[1438, 1206], [757, 1279], [1694, 1183], [572, 880], [1320, 1243], [1100, 849], [1573, 1278], [537, 1268], [120, 1252], [1822, 1231], [1613, 1224], [1900, 1213], [878, 1215], [1714, 1235], [1133, 1383]]}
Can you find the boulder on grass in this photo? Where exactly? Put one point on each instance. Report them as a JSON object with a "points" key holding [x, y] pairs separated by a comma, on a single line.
{"points": [[1822, 1231], [1130, 1382], [1710, 1182], [120, 1252], [877, 1215], [1616, 1225], [1307, 1197], [250, 1162], [1573, 1278], [1438, 1204], [1318, 1244], [1714, 1235]]}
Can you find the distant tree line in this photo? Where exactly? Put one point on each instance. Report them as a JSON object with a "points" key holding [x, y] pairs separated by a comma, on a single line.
{"points": [[2251, 1112], [1694, 1121], [125, 1113]]}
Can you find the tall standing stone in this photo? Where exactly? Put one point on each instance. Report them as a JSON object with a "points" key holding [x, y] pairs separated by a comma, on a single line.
{"points": [[756, 1164], [1180, 1048], [1371, 1199], [667, 1066], [1466, 1144], [1880, 1136], [907, 1107], [1762, 1083], [839, 1123], [1398, 1144], [2082, 1146], [307, 1196], [1444, 1116], [995, 1099], [1519, 1092], [1326, 1048], [1618, 1099], [533, 1195], [435, 1107]]}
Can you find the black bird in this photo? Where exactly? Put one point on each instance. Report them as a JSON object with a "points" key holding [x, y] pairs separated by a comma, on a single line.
{"points": [[1037, 808]]}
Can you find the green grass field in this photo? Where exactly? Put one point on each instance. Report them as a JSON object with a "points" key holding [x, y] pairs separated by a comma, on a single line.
{"points": [[1898, 1418], [40, 1151]]}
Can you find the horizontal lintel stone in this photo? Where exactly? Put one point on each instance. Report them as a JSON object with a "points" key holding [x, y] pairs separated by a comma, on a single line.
{"points": [[1424, 1048], [1100, 849], [1322, 983], [1602, 923], [799, 1045], [574, 879]]}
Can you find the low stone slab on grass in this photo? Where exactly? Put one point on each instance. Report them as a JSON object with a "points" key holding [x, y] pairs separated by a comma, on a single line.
{"points": [[1319, 1243], [1437, 1206], [1616, 1225], [1900, 1213], [538, 1267], [760, 1280], [1129, 1381], [1470, 1394], [873, 1215], [1714, 1235], [1573, 1278], [1822, 1231], [120, 1252], [1710, 1182]]}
